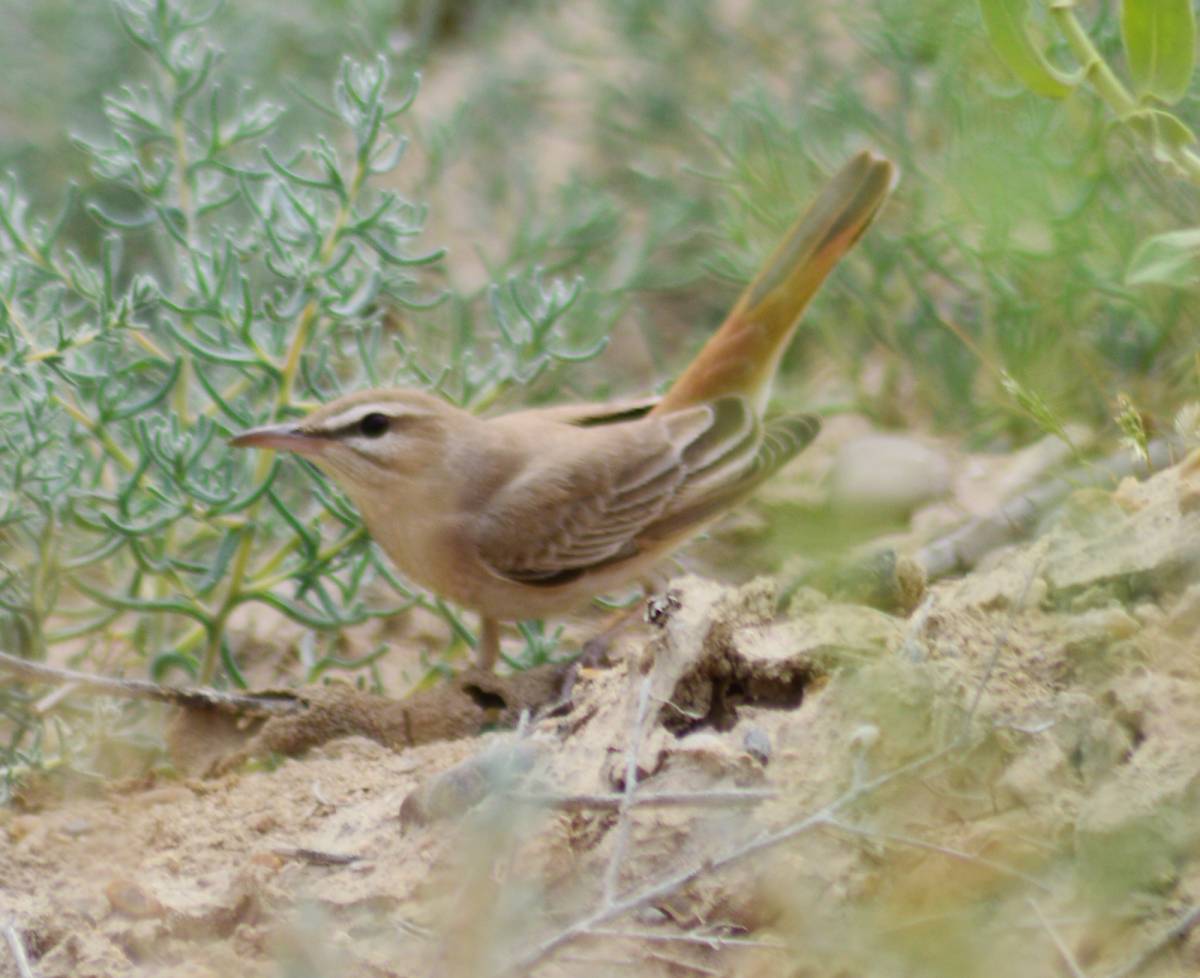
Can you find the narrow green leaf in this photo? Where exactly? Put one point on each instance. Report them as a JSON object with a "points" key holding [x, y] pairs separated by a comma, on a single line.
{"points": [[1160, 44], [162, 664], [1006, 24], [1166, 259]]}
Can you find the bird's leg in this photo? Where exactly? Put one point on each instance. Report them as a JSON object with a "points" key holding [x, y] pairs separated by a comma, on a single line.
{"points": [[488, 649]]}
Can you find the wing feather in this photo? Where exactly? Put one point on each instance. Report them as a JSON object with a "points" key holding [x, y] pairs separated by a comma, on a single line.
{"points": [[628, 485]]}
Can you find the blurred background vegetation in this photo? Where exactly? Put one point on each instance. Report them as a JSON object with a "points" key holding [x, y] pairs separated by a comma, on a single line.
{"points": [[246, 237]]}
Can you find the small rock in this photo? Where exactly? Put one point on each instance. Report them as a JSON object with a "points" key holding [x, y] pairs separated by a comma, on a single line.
{"points": [[454, 792], [130, 899], [757, 744], [264, 823], [650, 917], [890, 473]]}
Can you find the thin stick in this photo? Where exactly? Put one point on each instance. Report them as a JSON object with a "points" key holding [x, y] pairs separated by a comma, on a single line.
{"points": [[17, 948], [624, 823], [672, 884], [960, 854], [677, 963], [316, 857], [1063, 951], [1176, 932], [664, 799], [712, 941], [270, 703], [615, 908]]}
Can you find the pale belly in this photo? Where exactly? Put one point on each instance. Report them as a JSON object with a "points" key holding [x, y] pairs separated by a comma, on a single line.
{"points": [[450, 569], [440, 557]]}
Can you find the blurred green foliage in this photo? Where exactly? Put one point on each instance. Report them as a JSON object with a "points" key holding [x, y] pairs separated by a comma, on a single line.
{"points": [[239, 278]]}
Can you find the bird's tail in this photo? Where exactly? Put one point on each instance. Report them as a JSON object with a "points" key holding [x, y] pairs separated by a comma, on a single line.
{"points": [[742, 356]]}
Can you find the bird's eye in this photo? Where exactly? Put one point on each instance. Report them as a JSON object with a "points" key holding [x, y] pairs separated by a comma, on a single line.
{"points": [[374, 425]]}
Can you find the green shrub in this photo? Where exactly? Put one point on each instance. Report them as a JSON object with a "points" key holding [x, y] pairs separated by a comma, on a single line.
{"points": [[236, 281]]}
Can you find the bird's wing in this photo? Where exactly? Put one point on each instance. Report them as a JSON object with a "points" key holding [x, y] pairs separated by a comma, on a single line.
{"points": [[636, 484], [783, 438]]}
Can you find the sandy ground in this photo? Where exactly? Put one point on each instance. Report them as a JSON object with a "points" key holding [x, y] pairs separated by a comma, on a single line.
{"points": [[1004, 782]]}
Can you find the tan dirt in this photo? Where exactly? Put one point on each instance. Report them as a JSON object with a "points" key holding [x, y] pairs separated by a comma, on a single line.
{"points": [[1013, 765]]}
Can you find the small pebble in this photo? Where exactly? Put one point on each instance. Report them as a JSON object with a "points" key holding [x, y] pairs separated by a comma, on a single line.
{"points": [[453, 792], [650, 917], [128, 898], [757, 744]]}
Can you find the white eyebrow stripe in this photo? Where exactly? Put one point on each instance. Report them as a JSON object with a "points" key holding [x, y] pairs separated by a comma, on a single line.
{"points": [[351, 416]]}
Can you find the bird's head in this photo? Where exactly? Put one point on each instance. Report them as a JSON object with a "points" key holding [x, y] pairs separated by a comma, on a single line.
{"points": [[366, 440]]}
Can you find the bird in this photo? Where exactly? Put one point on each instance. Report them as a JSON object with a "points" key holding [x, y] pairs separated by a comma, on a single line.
{"points": [[531, 513]]}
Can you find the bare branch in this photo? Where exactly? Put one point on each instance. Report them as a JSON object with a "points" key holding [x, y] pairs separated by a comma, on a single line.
{"points": [[663, 799], [906, 840], [714, 942], [254, 704], [17, 948], [1176, 932], [624, 824], [1064, 952], [672, 884]]}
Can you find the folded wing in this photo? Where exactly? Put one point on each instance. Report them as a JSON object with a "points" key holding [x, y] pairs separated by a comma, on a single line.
{"points": [[640, 482]]}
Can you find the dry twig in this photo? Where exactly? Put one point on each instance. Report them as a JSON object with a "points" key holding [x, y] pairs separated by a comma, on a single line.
{"points": [[16, 947], [1176, 932], [1064, 952], [257, 704], [661, 799], [672, 884], [624, 823], [907, 840], [714, 942], [316, 857], [671, 962], [613, 908]]}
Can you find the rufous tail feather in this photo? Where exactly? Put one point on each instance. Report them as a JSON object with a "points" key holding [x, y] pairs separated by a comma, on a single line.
{"points": [[742, 356]]}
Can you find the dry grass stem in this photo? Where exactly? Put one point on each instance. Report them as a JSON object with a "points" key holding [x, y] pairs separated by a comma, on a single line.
{"points": [[673, 962], [905, 840], [672, 884], [1064, 952], [1176, 932], [141, 689], [17, 949], [713, 941], [666, 799], [624, 824]]}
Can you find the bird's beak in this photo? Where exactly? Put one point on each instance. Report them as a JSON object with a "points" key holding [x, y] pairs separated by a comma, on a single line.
{"points": [[282, 437]]}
